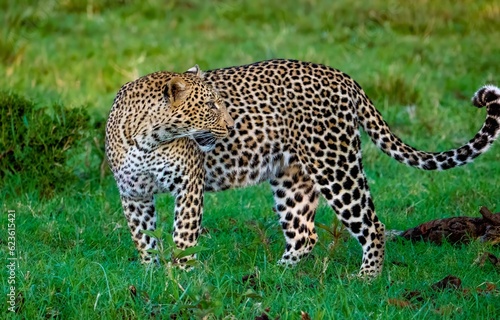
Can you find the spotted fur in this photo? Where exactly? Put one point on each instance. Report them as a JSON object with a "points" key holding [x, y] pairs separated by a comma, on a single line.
{"points": [[296, 126]]}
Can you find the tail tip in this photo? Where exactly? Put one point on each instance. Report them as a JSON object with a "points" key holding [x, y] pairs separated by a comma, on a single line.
{"points": [[486, 96]]}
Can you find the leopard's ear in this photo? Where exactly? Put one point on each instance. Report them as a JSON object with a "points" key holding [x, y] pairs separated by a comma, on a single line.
{"points": [[176, 88], [195, 70]]}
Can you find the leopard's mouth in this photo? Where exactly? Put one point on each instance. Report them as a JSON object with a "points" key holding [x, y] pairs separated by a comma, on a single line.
{"points": [[205, 140]]}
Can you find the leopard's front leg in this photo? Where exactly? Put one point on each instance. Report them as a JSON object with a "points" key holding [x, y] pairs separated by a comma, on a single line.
{"points": [[189, 210], [141, 215]]}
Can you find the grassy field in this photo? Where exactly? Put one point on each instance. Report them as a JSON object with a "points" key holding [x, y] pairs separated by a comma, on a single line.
{"points": [[420, 62]]}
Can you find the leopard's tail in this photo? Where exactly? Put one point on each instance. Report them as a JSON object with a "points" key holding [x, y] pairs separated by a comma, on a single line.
{"points": [[378, 130]]}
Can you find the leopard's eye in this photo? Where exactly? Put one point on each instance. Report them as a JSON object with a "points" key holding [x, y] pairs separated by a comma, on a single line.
{"points": [[212, 105]]}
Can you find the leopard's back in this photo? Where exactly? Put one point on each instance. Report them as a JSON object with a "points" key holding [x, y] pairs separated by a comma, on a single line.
{"points": [[282, 109]]}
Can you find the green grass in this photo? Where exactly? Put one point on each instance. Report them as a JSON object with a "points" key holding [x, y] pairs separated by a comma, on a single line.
{"points": [[419, 62]]}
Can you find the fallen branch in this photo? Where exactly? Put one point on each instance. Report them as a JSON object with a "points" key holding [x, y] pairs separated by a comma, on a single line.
{"points": [[458, 229]]}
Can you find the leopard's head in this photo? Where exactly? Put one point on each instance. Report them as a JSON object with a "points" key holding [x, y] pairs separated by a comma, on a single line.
{"points": [[197, 108]]}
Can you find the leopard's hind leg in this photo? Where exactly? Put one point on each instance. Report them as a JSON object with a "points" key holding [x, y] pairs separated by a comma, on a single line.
{"points": [[296, 200], [342, 182]]}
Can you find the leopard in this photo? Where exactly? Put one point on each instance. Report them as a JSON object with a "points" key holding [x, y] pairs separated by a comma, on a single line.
{"points": [[293, 124]]}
